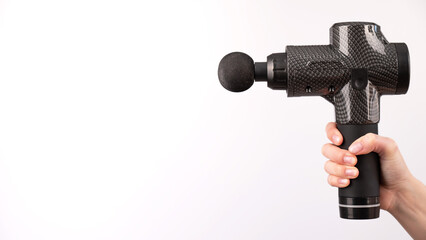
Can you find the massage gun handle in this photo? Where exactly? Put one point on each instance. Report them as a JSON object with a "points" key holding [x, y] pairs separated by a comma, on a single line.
{"points": [[361, 199]]}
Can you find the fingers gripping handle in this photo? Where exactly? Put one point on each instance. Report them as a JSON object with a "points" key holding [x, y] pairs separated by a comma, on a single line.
{"points": [[361, 199]]}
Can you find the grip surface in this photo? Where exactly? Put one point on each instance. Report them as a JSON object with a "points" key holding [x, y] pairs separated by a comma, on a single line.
{"points": [[361, 199]]}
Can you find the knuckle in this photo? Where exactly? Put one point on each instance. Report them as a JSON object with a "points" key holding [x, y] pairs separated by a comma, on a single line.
{"points": [[370, 138], [328, 126], [340, 170], [324, 149], [392, 145], [326, 164], [330, 180], [342, 154], [369, 141]]}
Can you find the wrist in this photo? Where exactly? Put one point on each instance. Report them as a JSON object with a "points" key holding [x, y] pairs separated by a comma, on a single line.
{"points": [[409, 208], [405, 195]]}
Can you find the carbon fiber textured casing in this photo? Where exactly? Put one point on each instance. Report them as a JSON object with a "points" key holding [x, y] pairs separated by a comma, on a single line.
{"points": [[327, 70]]}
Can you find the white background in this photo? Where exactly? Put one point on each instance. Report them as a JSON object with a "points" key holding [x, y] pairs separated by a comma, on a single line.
{"points": [[113, 124]]}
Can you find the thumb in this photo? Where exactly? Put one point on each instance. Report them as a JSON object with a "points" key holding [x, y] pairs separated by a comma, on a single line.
{"points": [[385, 147]]}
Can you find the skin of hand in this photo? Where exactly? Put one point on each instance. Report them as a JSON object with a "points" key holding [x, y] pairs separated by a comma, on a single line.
{"points": [[401, 193]]}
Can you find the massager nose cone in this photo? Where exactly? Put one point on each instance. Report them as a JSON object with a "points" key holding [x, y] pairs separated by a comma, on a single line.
{"points": [[236, 72]]}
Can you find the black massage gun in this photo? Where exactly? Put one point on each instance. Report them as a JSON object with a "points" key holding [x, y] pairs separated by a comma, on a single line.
{"points": [[358, 67]]}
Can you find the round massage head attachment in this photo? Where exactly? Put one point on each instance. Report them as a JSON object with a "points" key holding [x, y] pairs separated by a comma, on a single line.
{"points": [[236, 72]]}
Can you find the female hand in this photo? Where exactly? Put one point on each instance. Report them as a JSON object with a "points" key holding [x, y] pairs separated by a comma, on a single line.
{"points": [[341, 165], [401, 193]]}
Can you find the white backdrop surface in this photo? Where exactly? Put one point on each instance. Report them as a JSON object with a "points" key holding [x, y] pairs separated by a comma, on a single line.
{"points": [[113, 124]]}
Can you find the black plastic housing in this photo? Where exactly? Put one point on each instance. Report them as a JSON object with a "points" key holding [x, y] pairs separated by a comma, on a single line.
{"points": [[403, 68], [360, 200]]}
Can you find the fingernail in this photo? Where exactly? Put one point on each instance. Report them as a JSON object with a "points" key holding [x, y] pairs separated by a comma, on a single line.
{"points": [[350, 172], [356, 147], [343, 181], [336, 139], [349, 159]]}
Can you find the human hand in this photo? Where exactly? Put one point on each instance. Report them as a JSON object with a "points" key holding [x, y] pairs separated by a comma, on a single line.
{"points": [[341, 166]]}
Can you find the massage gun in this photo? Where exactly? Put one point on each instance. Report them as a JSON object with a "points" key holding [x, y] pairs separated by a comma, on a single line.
{"points": [[358, 67]]}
